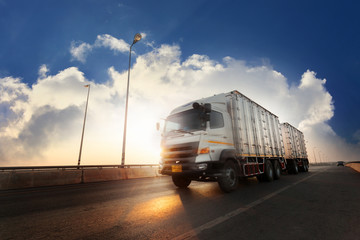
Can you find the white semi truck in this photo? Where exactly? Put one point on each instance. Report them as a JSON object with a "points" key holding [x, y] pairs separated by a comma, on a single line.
{"points": [[227, 136]]}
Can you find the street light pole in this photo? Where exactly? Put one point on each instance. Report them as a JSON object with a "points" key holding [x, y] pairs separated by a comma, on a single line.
{"points": [[137, 38], [82, 135]]}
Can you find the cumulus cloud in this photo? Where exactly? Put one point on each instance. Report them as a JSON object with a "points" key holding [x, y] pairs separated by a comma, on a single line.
{"points": [[314, 97], [13, 105], [34, 118], [46, 125], [60, 90], [79, 51], [43, 123]]}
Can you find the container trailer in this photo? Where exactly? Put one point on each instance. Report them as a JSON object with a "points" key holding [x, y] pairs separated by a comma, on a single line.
{"points": [[295, 150], [224, 137]]}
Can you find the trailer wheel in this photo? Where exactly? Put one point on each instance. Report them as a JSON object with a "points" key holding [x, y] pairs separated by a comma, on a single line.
{"points": [[305, 167], [293, 167], [181, 181], [269, 171], [229, 180], [277, 169]]}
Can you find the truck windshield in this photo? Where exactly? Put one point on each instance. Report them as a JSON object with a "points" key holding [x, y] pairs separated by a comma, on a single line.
{"points": [[187, 121]]}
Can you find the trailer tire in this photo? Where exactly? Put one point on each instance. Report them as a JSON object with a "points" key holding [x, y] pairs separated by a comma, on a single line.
{"points": [[269, 171], [229, 180], [293, 167], [277, 169], [305, 166], [181, 181]]}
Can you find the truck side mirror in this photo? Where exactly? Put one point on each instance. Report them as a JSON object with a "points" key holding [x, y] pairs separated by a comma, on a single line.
{"points": [[196, 105], [207, 107]]}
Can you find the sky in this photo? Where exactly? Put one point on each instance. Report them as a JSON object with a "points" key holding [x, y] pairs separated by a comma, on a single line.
{"points": [[298, 59]]}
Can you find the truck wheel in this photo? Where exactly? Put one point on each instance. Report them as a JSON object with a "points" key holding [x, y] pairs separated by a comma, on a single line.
{"points": [[181, 181], [229, 180], [296, 167], [293, 167], [269, 171], [305, 166], [277, 169]]}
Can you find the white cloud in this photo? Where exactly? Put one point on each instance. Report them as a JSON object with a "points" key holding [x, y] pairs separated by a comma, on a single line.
{"points": [[108, 41], [13, 104], [43, 70], [60, 90], [143, 35], [79, 51], [43, 123]]}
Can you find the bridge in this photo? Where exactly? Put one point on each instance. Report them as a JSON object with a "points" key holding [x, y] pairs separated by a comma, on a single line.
{"points": [[321, 204]]}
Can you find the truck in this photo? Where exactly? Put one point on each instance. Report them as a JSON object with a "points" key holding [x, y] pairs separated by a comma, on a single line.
{"points": [[223, 138]]}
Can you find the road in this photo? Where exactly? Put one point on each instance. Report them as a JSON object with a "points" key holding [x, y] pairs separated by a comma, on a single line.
{"points": [[321, 204]]}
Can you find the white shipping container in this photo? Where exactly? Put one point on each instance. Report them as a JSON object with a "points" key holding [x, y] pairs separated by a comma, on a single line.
{"points": [[294, 142], [256, 131]]}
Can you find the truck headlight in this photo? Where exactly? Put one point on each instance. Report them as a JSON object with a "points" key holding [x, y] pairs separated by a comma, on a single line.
{"points": [[202, 166]]}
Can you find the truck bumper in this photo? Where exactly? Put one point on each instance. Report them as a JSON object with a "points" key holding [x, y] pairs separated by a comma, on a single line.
{"points": [[205, 171]]}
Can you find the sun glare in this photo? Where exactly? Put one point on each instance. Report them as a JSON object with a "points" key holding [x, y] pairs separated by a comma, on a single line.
{"points": [[143, 140]]}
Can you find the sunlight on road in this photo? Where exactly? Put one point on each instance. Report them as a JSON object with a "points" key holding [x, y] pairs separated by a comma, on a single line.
{"points": [[158, 208]]}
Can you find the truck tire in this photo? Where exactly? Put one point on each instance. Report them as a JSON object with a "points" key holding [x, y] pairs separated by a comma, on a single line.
{"points": [[229, 180], [269, 171], [305, 166], [293, 167], [277, 169], [181, 181]]}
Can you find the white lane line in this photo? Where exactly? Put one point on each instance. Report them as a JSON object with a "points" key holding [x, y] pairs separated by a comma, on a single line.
{"points": [[194, 232]]}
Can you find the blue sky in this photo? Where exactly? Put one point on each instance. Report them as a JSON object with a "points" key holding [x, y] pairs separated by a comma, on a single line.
{"points": [[289, 37]]}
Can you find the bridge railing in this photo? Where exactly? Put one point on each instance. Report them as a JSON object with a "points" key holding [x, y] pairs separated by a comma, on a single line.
{"points": [[38, 176], [72, 167]]}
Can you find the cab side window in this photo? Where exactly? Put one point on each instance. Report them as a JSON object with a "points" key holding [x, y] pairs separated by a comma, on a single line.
{"points": [[216, 120]]}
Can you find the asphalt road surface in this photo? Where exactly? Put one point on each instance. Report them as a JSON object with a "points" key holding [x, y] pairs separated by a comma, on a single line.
{"points": [[321, 204]]}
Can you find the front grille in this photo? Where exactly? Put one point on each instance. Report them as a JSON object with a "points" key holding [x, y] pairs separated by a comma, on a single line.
{"points": [[180, 153]]}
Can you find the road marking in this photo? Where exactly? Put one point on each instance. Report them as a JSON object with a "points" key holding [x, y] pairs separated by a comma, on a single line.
{"points": [[194, 232]]}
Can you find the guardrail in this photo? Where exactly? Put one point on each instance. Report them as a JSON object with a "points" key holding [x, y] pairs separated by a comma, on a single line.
{"points": [[69, 167], [37, 176]]}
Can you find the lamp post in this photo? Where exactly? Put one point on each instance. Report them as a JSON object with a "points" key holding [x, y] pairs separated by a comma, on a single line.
{"points": [[82, 135], [137, 38]]}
